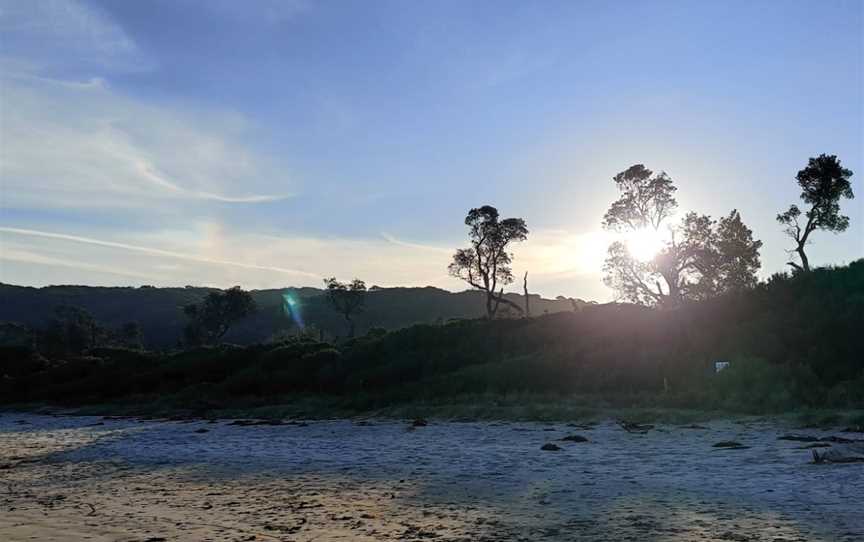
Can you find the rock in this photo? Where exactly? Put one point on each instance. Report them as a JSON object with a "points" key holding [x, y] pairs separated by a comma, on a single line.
{"points": [[419, 422], [574, 438], [730, 445], [549, 447], [202, 430], [693, 426]]}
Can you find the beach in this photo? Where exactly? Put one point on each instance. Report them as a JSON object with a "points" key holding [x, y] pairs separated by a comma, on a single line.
{"points": [[66, 478]]}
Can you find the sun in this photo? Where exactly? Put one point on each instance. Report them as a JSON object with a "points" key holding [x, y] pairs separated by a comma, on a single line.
{"points": [[645, 243]]}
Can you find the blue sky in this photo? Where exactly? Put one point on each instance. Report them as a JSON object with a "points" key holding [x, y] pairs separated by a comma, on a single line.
{"points": [[271, 143]]}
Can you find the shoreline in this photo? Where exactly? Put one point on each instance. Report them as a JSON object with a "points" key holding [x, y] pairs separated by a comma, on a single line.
{"points": [[454, 413]]}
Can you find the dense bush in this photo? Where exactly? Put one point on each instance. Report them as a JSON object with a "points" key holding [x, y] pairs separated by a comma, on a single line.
{"points": [[794, 341]]}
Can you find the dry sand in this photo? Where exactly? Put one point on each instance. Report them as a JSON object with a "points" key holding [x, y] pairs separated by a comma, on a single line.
{"points": [[84, 478]]}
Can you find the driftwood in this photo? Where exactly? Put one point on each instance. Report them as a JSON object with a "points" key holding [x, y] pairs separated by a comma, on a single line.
{"points": [[846, 453], [634, 427]]}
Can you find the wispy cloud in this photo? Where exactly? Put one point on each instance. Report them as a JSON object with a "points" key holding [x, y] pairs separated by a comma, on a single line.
{"points": [[27, 257], [391, 239], [211, 254], [70, 144], [152, 251], [61, 33]]}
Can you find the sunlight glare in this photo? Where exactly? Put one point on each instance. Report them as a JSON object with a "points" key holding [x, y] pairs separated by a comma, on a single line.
{"points": [[645, 243]]}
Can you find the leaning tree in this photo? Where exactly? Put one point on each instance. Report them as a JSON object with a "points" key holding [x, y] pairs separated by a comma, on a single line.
{"points": [[823, 182], [485, 265]]}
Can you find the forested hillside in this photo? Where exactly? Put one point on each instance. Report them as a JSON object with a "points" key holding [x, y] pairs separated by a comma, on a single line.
{"points": [[792, 341], [159, 311]]}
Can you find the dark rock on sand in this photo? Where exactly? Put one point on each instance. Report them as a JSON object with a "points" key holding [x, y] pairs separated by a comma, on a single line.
{"points": [[574, 438], [549, 447], [730, 445]]}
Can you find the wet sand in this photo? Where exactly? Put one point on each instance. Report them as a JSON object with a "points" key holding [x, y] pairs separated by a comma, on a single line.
{"points": [[85, 478]]}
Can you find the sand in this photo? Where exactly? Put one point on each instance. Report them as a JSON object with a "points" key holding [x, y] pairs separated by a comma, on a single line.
{"points": [[84, 478]]}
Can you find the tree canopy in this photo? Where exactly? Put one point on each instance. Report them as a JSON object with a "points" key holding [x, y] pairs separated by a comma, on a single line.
{"points": [[646, 200], [823, 183], [210, 319]]}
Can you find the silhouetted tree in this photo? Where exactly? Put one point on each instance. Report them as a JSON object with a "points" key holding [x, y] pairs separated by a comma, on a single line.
{"points": [[823, 182], [486, 265], [212, 318], [698, 260], [646, 200], [346, 298]]}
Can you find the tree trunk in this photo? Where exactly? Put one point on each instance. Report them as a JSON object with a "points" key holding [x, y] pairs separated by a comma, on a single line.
{"points": [[527, 301], [805, 263], [490, 307]]}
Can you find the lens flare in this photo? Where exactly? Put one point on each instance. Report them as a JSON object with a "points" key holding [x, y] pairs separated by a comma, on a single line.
{"points": [[291, 308]]}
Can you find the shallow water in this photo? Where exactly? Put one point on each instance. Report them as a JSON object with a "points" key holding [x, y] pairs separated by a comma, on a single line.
{"points": [[336, 480]]}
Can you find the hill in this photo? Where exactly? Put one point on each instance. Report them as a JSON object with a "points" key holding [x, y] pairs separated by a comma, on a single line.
{"points": [[159, 310]]}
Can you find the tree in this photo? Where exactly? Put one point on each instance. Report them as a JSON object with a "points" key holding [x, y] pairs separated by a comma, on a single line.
{"points": [[486, 264], [211, 319], [700, 259], [823, 182], [738, 254], [646, 200], [346, 299]]}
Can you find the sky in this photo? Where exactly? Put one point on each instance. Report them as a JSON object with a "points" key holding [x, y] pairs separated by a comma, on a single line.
{"points": [[272, 143]]}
